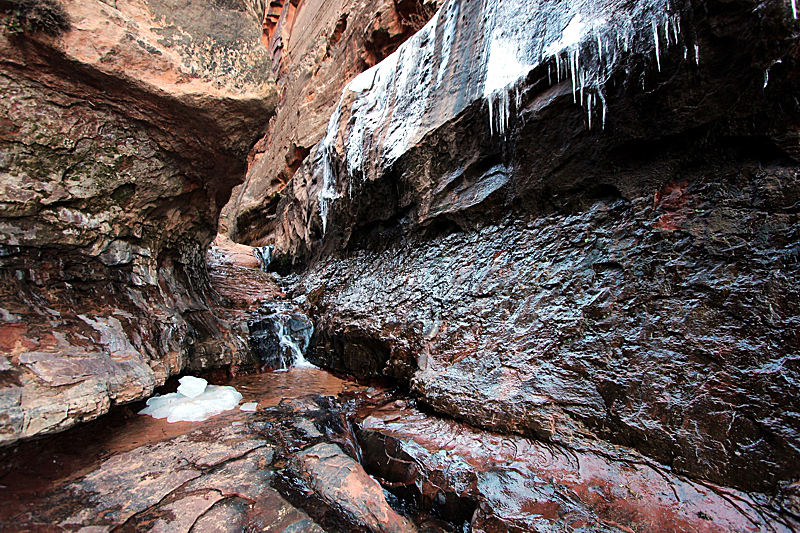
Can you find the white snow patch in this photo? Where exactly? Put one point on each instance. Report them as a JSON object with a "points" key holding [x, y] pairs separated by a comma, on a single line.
{"points": [[177, 407], [572, 35], [503, 67]]}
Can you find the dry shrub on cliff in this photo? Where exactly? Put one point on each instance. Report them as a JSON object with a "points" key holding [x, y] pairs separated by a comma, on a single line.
{"points": [[25, 16], [419, 15]]}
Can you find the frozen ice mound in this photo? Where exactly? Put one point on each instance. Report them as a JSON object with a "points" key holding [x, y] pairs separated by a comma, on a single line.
{"points": [[179, 407], [191, 386]]}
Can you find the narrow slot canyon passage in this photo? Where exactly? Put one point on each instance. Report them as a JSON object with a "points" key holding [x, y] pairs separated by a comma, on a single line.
{"points": [[413, 266]]}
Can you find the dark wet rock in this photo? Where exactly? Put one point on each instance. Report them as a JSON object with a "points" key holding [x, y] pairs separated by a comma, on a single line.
{"points": [[273, 514], [635, 283], [342, 483], [280, 335], [244, 288], [678, 343], [156, 471], [135, 473], [508, 483]]}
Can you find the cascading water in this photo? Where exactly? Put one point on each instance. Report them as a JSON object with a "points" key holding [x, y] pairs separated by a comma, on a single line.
{"points": [[264, 256], [281, 336]]}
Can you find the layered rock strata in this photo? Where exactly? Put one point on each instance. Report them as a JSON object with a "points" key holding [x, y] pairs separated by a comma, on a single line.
{"points": [[317, 47], [568, 220], [121, 141]]}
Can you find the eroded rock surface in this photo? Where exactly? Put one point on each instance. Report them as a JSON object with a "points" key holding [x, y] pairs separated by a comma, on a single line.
{"points": [[679, 343], [508, 483], [599, 242], [317, 47], [313, 455], [121, 139], [127, 472], [341, 481]]}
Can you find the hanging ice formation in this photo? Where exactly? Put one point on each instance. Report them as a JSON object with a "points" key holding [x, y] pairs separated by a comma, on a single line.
{"points": [[391, 95], [586, 47], [417, 88]]}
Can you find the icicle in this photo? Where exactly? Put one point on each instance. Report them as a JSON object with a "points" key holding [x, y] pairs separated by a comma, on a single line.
{"points": [[655, 39], [599, 48], [558, 68], [573, 73], [605, 107], [328, 190], [696, 54], [589, 109], [676, 28], [491, 118], [794, 8]]}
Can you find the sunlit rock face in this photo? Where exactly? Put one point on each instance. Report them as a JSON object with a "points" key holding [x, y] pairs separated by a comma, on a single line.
{"points": [[571, 220], [121, 140]]}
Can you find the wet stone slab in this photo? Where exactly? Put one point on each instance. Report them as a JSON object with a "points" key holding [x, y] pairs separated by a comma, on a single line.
{"points": [[510, 483], [132, 473]]}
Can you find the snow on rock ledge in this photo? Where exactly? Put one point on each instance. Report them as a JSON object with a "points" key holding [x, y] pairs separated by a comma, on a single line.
{"points": [[476, 58]]}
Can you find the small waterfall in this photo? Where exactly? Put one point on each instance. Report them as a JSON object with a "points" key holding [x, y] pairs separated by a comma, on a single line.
{"points": [[280, 336], [264, 256]]}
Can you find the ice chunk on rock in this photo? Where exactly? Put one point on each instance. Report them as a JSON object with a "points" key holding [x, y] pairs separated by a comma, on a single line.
{"points": [[191, 386], [177, 407], [249, 406]]}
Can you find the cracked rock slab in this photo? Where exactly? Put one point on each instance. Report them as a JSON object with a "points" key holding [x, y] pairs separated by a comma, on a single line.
{"points": [[138, 480], [343, 483]]}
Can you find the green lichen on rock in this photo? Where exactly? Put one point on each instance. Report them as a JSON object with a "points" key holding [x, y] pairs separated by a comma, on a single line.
{"points": [[29, 16]]}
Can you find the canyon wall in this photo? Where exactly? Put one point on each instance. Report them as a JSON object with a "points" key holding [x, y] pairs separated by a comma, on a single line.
{"points": [[317, 48], [573, 221], [120, 141]]}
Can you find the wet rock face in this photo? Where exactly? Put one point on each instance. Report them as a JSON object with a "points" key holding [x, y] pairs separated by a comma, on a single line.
{"points": [[119, 145], [221, 474], [678, 343], [321, 452], [342, 482], [505, 483], [280, 335], [436, 135], [635, 282]]}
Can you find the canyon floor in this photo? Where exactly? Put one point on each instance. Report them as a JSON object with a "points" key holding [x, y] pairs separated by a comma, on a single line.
{"points": [[326, 453]]}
